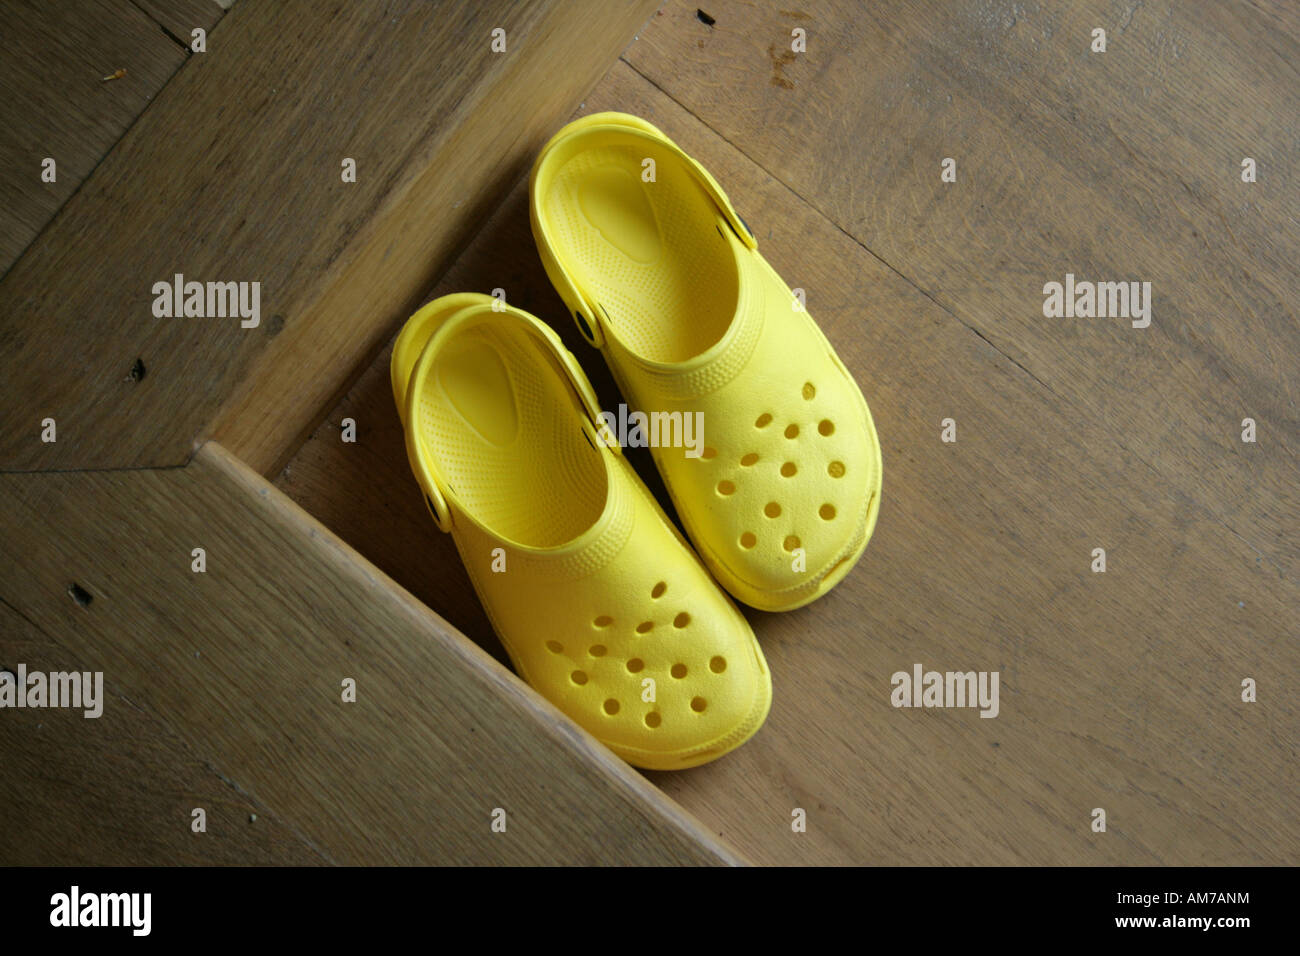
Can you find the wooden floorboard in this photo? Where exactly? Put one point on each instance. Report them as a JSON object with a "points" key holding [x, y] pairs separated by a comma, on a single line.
{"points": [[235, 175], [1118, 690], [237, 673], [181, 17], [1123, 165], [120, 788], [54, 102]]}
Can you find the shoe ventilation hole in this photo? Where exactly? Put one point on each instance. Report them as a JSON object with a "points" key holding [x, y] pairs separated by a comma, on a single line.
{"points": [[598, 650], [790, 543], [698, 704], [788, 469], [653, 720], [747, 540], [578, 677], [709, 453], [611, 707], [791, 431], [772, 509], [718, 665], [635, 665], [603, 621], [726, 487], [678, 671], [809, 391], [681, 620], [555, 647], [659, 590], [749, 459], [835, 469], [583, 326], [763, 420], [826, 427], [645, 627], [827, 512]]}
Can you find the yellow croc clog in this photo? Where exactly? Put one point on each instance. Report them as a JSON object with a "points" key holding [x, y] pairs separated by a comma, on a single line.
{"points": [[600, 603], [666, 279]]}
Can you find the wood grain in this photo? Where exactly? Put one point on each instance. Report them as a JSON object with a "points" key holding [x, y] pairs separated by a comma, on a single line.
{"points": [[235, 175], [244, 664], [120, 788], [1118, 690], [180, 17], [54, 102], [1123, 165]]}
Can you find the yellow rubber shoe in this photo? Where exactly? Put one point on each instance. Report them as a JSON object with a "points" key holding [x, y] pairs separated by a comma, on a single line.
{"points": [[600, 603], [666, 279]]}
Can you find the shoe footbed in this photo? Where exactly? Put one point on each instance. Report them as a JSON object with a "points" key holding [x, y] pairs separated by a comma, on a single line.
{"points": [[648, 251], [508, 438]]}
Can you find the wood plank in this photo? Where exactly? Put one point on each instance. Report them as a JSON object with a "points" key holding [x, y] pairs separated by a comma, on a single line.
{"points": [[180, 17], [1119, 690], [54, 102], [1117, 166], [245, 663], [120, 788], [235, 175]]}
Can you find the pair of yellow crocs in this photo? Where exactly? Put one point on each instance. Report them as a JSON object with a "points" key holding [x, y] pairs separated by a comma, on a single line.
{"points": [[601, 604]]}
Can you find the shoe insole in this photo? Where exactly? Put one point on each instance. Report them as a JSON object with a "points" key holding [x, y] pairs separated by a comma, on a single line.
{"points": [[649, 253], [498, 418]]}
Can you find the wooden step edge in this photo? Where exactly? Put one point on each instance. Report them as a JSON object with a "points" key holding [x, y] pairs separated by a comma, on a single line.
{"points": [[480, 666]]}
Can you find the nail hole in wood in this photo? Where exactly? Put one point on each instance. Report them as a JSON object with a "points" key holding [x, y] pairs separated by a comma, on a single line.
{"points": [[704, 18], [80, 594]]}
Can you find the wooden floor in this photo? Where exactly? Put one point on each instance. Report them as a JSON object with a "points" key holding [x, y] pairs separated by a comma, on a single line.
{"points": [[61, 97], [286, 768], [226, 687], [1119, 690]]}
